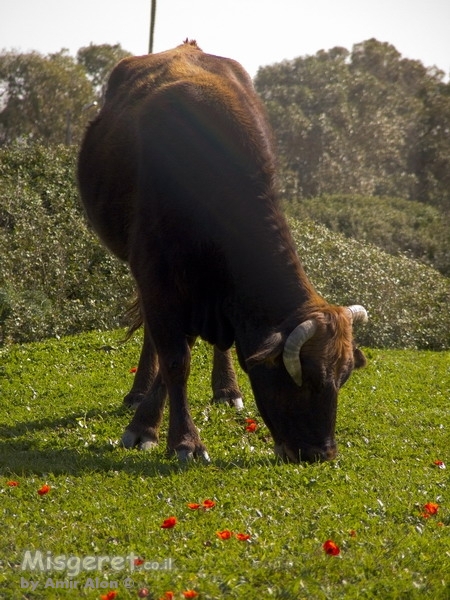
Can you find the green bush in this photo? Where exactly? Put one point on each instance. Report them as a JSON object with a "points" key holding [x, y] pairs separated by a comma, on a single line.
{"points": [[397, 226], [407, 301], [57, 279]]}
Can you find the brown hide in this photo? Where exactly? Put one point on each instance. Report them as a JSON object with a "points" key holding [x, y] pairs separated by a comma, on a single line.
{"points": [[177, 175]]}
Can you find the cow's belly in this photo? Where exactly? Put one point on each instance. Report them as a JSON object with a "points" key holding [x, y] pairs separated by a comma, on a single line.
{"points": [[109, 218], [107, 187]]}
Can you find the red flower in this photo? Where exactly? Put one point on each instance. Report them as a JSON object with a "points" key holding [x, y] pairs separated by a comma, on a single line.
{"points": [[12, 483], [190, 594], [430, 508], [109, 596], [133, 370], [440, 464], [169, 523], [243, 537], [205, 505], [138, 562], [331, 548], [251, 427], [225, 534], [167, 596], [44, 490]]}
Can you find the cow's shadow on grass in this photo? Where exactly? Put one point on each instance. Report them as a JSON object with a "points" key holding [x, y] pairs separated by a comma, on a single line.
{"points": [[24, 450]]}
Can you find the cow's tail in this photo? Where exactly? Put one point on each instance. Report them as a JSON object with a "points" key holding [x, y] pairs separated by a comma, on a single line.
{"points": [[133, 316]]}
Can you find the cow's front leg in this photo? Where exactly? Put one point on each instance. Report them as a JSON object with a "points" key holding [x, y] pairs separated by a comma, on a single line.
{"points": [[224, 383]]}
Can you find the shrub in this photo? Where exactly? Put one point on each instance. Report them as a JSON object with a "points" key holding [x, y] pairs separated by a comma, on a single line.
{"points": [[55, 277], [397, 226], [407, 301]]}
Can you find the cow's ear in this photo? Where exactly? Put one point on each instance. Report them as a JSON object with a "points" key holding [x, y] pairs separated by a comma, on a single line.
{"points": [[268, 352], [359, 358]]}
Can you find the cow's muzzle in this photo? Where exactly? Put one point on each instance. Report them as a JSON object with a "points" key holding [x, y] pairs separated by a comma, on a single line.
{"points": [[310, 454]]}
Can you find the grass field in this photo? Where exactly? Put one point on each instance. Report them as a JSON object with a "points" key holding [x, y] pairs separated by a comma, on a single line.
{"points": [[60, 424]]}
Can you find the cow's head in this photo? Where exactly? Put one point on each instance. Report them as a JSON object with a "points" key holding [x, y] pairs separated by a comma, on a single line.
{"points": [[296, 377]]}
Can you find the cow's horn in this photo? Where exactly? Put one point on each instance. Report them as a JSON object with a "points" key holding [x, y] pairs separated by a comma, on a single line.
{"points": [[358, 313], [292, 346]]}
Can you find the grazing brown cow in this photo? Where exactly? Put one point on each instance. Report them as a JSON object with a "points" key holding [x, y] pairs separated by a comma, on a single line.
{"points": [[177, 175]]}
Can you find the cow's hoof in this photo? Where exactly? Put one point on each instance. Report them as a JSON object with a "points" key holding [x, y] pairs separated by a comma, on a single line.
{"points": [[185, 456], [131, 439], [236, 402], [147, 445], [133, 399]]}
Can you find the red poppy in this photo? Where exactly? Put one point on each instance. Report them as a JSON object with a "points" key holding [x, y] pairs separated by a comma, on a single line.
{"points": [[109, 596], [190, 594], [243, 537], [431, 508], [440, 464], [331, 548], [225, 534], [169, 523], [167, 596], [138, 562], [205, 505], [250, 421], [44, 490], [12, 483], [251, 427], [133, 370]]}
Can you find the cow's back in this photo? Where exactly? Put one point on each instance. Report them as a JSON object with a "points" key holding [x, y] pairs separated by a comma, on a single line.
{"points": [[183, 123]]}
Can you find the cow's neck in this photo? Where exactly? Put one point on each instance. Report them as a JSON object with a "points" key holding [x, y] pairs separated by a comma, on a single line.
{"points": [[270, 282]]}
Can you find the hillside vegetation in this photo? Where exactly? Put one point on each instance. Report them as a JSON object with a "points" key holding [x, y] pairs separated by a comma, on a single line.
{"points": [[416, 230], [56, 278]]}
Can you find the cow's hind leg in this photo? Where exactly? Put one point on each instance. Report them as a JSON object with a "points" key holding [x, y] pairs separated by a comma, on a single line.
{"points": [[224, 382], [173, 350], [148, 395], [183, 438], [145, 375]]}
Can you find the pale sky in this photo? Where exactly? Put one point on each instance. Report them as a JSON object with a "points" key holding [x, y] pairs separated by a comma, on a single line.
{"points": [[254, 32]]}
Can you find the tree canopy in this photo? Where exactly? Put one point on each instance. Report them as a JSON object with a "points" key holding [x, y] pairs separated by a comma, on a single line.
{"points": [[46, 98], [364, 122]]}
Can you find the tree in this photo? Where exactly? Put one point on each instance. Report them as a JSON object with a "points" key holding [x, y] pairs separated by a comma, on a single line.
{"points": [[45, 98], [367, 122], [98, 62], [431, 160], [42, 98]]}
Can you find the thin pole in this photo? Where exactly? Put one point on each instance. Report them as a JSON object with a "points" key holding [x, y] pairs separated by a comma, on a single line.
{"points": [[152, 26]]}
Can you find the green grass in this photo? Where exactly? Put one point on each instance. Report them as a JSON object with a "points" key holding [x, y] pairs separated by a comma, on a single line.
{"points": [[60, 423]]}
